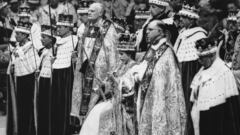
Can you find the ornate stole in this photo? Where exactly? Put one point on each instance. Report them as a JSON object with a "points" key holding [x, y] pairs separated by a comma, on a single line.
{"points": [[149, 72], [93, 32]]}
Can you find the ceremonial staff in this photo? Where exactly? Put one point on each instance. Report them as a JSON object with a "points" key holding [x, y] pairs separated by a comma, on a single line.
{"points": [[13, 90]]}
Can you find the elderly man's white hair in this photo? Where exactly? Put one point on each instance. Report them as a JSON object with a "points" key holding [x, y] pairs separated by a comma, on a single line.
{"points": [[98, 6]]}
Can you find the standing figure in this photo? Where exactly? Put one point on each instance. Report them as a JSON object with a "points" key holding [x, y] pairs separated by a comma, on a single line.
{"points": [[44, 97], [160, 104], [214, 94], [23, 65], [99, 56], [160, 10], [62, 76], [187, 53]]}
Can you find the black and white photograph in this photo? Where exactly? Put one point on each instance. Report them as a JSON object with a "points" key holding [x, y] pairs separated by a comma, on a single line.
{"points": [[119, 67]]}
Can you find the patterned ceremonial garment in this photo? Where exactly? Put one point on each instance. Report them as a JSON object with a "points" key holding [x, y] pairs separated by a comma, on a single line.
{"points": [[65, 47], [104, 63], [107, 116], [26, 60], [210, 88], [163, 111], [46, 65], [185, 44]]}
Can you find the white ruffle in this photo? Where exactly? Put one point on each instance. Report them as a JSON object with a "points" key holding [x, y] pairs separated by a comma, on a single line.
{"points": [[213, 85]]}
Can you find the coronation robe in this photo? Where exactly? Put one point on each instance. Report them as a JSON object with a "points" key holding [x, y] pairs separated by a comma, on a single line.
{"points": [[162, 110], [101, 119], [44, 94], [215, 100], [20, 113], [189, 66], [62, 82]]}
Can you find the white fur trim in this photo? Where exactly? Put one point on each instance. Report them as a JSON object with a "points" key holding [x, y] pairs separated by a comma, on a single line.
{"points": [[82, 11], [159, 2], [65, 24], [24, 15], [17, 29], [3, 5], [211, 51], [188, 13]]}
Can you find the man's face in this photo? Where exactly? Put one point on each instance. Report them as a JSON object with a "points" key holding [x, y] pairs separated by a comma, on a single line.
{"points": [[94, 12], [62, 30], [156, 10], [153, 32], [83, 18], [205, 61], [20, 36], [185, 21], [46, 41]]}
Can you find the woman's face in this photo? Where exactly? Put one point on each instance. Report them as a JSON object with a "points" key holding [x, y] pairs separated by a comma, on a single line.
{"points": [[123, 56]]}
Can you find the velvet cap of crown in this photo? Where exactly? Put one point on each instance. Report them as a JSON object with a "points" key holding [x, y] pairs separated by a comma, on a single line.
{"points": [[142, 15], [24, 27], [48, 30], [126, 42], [119, 24], [24, 10], [3, 4], [84, 6], [206, 47], [65, 20], [164, 3], [232, 16], [189, 11]]}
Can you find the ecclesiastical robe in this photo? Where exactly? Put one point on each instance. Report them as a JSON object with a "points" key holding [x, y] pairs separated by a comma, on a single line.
{"points": [[162, 109]]}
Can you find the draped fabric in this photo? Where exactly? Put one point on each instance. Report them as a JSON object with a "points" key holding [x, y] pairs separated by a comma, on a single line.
{"points": [[189, 70], [216, 101], [163, 110], [62, 82], [44, 106], [105, 117], [223, 119], [25, 107]]}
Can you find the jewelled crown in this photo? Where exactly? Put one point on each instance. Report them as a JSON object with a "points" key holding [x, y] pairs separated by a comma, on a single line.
{"points": [[83, 6], [65, 20], [24, 27], [142, 15], [160, 2], [232, 16], [49, 30], [189, 11], [126, 42], [24, 10]]}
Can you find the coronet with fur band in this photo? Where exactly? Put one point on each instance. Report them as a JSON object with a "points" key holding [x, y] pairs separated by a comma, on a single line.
{"points": [[189, 11], [24, 10], [48, 30], [83, 6], [142, 15], [24, 27], [232, 16], [65, 20], [164, 3], [205, 47]]}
